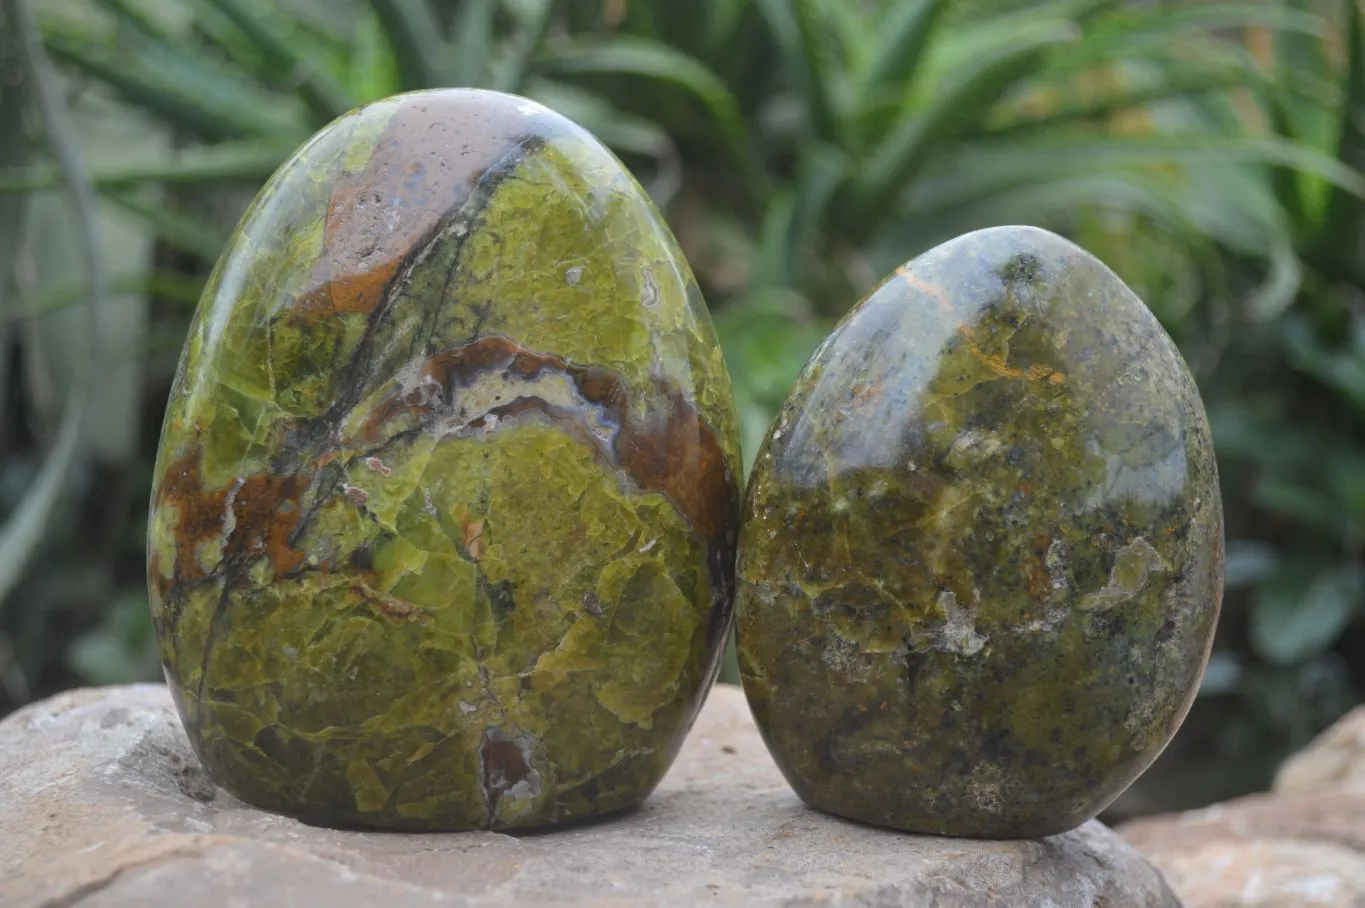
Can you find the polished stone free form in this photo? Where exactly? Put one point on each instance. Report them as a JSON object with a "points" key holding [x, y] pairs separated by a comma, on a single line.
{"points": [[445, 508], [981, 556]]}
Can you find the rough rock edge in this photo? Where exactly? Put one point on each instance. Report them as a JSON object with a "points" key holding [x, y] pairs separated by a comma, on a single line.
{"points": [[108, 807], [1300, 844]]}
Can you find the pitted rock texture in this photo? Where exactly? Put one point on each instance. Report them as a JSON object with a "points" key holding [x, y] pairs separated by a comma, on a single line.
{"points": [[105, 806], [443, 528], [981, 553], [1300, 845]]}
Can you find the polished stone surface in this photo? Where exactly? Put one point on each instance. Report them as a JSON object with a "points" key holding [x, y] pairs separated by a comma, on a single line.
{"points": [[445, 509], [981, 555]]}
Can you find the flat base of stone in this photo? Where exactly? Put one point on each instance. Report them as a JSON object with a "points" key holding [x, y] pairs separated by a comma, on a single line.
{"points": [[104, 806], [988, 834]]}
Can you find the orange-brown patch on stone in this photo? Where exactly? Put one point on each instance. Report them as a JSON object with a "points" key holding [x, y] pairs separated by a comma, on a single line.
{"points": [[674, 452], [424, 165], [253, 516], [474, 542], [396, 609], [670, 449], [934, 293], [863, 393], [1036, 569], [1001, 368]]}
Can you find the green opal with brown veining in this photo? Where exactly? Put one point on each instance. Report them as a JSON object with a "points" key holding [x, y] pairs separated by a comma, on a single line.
{"points": [[443, 528], [981, 553]]}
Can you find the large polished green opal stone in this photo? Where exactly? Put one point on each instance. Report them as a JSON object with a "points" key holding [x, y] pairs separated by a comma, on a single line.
{"points": [[443, 529], [981, 554]]}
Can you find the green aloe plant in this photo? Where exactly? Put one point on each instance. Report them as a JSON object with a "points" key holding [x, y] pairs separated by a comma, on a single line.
{"points": [[1286, 390], [1314, 588]]}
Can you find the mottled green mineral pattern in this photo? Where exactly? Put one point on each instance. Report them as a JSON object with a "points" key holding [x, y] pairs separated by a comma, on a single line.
{"points": [[981, 554], [443, 529]]}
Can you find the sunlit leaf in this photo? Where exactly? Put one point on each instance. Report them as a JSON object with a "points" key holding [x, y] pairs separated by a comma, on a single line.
{"points": [[372, 71]]}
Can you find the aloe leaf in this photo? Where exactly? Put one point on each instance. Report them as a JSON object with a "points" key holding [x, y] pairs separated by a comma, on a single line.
{"points": [[526, 46], [628, 56], [723, 21], [792, 223], [1291, 620], [169, 285], [192, 95], [371, 70], [1145, 32], [624, 132], [982, 168], [1277, 292], [1057, 197], [474, 39], [1171, 86], [27, 524], [823, 170], [128, 14], [905, 32], [412, 33], [323, 97], [627, 134], [772, 264], [1342, 238], [248, 162], [794, 25], [903, 152], [179, 231], [1300, 58], [1341, 369], [960, 45]]}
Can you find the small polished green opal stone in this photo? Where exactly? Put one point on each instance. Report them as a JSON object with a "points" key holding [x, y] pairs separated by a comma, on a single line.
{"points": [[445, 509], [981, 554]]}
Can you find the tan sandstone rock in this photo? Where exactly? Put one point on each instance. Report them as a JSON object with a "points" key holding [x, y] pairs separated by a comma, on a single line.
{"points": [[104, 805], [1302, 845], [1335, 757]]}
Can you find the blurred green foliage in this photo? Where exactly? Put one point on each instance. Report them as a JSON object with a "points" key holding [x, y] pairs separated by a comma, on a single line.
{"points": [[1211, 152]]}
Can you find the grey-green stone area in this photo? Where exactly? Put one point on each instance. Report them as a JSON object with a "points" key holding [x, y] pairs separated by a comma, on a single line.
{"points": [[981, 554]]}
